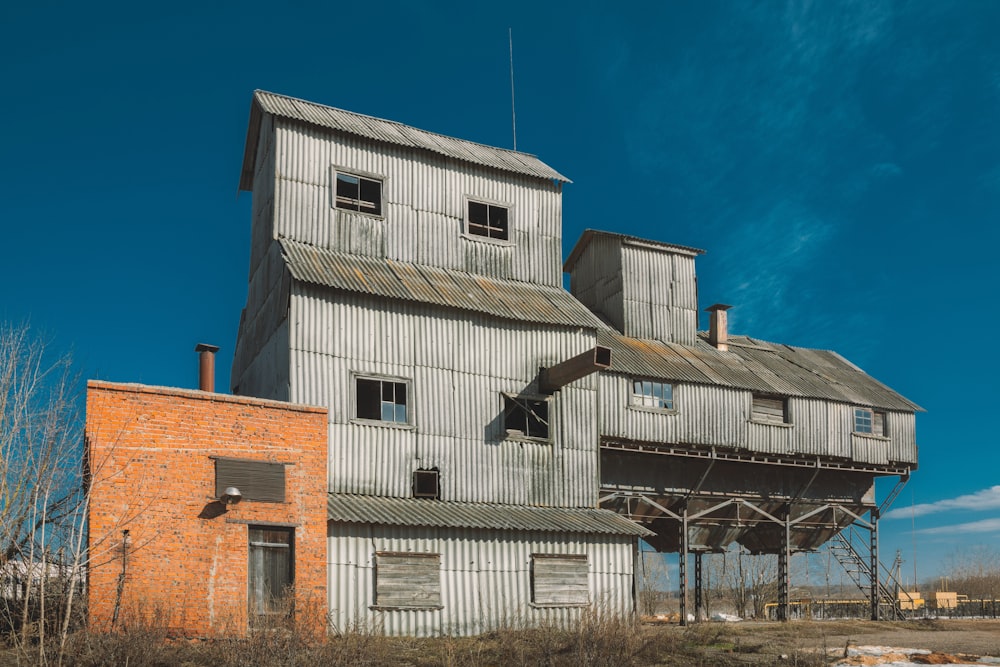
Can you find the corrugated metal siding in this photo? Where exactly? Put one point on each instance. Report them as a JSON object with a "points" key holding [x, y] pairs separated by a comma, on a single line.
{"points": [[485, 578], [708, 415], [660, 296], [389, 132], [457, 365], [442, 287], [424, 204]]}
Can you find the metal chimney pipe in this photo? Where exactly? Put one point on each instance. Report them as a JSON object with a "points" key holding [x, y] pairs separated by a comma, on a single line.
{"points": [[718, 327], [206, 366]]}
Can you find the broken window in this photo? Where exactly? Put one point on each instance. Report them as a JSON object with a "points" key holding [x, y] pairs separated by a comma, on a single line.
{"points": [[358, 193], [381, 400], [559, 580], [869, 421], [653, 394], [770, 409], [489, 220], [426, 484], [270, 572], [407, 580], [526, 416], [257, 480]]}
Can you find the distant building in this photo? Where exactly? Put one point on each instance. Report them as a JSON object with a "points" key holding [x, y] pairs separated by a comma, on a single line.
{"points": [[496, 445]]}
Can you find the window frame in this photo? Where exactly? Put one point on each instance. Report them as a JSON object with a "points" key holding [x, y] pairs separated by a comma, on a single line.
{"points": [[284, 601], [382, 379], [636, 401], [508, 398], [489, 203], [382, 560], [786, 417], [874, 419], [336, 171], [547, 595]]}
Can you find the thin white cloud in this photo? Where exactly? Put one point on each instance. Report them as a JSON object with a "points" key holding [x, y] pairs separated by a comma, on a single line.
{"points": [[987, 499], [983, 526]]}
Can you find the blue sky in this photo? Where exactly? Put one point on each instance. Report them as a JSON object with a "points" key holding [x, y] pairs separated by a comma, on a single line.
{"points": [[840, 162]]}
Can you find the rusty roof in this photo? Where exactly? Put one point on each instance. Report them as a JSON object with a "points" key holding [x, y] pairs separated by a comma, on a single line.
{"points": [[753, 365], [444, 514], [509, 299], [385, 132]]}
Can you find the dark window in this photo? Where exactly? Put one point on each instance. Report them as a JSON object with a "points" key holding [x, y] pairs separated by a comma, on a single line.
{"points": [[769, 409], [270, 572], [869, 421], [256, 480], [559, 580], [653, 394], [408, 580], [382, 400], [425, 484], [488, 220], [525, 416], [357, 193]]}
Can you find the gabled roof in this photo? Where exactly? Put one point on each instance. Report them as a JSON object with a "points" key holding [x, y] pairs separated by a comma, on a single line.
{"points": [[509, 299], [589, 235], [754, 365], [386, 132], [436, 513]]}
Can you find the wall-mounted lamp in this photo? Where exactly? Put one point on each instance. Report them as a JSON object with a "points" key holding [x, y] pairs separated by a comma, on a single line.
{"points": [[231, 496]]}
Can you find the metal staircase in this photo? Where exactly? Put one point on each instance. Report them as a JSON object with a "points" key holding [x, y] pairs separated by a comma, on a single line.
{"points": [[852, 550]]}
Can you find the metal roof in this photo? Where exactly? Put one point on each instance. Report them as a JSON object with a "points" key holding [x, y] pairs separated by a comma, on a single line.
{"points": [[384, 131], [754, 365], [508, 299], [442, 514], [589, 234]]}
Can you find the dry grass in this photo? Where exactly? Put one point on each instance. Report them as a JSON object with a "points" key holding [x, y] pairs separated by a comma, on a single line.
{"points": [[597, 640]]}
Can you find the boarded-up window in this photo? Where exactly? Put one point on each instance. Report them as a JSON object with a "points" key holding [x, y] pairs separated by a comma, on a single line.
{"points": [[487, 220], [869, 421], [559, 580], [256, 480], [769, 409], [407, 580]]}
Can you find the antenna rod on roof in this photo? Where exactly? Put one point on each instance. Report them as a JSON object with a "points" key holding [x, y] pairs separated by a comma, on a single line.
{"points": [[513, 115]]}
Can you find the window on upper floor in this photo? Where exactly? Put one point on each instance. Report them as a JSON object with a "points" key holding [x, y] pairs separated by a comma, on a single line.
{"points": [[526, 417], [869, 422], [559, 580], [488, 220], [769, 409], [358, 193], [652, 394], [382, 400]]}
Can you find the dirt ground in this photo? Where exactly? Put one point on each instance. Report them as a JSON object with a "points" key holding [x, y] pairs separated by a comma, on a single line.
{"points": [[971, 637]]}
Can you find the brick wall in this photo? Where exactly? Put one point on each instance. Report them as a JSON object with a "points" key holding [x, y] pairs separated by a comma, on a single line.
{"points": [[185, 556]]}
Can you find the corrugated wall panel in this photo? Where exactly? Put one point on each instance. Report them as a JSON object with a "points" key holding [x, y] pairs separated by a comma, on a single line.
{"points": [[457, 365], [423, 207], [485, 578]]}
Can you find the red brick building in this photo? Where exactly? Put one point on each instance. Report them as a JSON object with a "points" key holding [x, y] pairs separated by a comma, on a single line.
{"points": [[207, 512]]}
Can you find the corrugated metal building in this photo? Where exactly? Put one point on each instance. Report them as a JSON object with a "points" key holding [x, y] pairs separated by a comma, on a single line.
{"points": [[487, 462]]}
